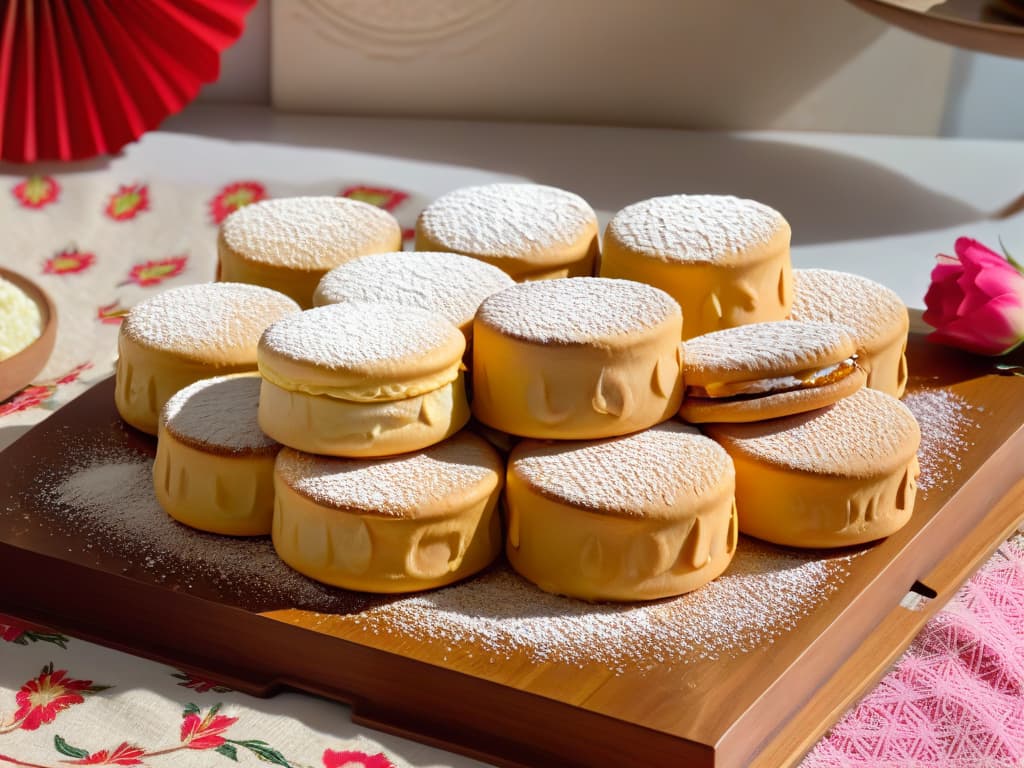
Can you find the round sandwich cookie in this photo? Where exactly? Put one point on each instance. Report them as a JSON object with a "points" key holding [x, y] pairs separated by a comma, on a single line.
{"points": [[875, 316], [724, 259], [170, 340], [400, 524], [767, 370], [640, 517], [358, 379], [834, 477], [290, 243], [450, 284], [214, 467], [530, 231], [576, 358]]}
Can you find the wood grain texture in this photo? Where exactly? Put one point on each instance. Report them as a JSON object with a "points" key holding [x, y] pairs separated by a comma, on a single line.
{"points": [[772, 701]]}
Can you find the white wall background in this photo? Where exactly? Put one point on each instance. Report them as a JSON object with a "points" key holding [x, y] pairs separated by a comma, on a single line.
{"points": [[983, 99]]}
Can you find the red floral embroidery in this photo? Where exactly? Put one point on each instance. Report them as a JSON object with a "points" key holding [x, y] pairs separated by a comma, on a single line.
{"points": [[408, 234], [200, 684], [155, 272], [68, 262], [123, 754], [36, 191], [128, 202], [112, 313], [14, 630], [11, 629], [234, 196], [40, 700], [388, 199], [353, 759], [40, 394], [205, 732]]}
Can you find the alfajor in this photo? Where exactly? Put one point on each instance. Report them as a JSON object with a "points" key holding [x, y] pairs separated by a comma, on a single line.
{"points": [[875, 316], [358, 379], [214, 467], [530, 231], [576, 358], [290, 243], [767, 370], [170, 340], [724, 259], [400, 524], [833, 477], [640, 517], [447, 283]]}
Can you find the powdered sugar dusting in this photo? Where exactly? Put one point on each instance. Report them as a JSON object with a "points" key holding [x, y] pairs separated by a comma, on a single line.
{"points": [[856, 437], [447, 283], [111, 506], [872, 312], [507, 221], [765, 349], [208, 322], [409, 485], [695, 228], [577, 310], [763, 594], [219, 414], [650, 473], [351, 336], [309, 233], [945, 420]]}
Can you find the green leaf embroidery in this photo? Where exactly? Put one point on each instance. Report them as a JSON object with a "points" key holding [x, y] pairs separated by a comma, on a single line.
{"points": [[264, 752], [190, 709], [66, 749], [228, 751], [43, 637]]}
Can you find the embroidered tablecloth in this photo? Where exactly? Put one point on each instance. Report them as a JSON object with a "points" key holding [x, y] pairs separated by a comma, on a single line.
{"points": [[98, 244]]}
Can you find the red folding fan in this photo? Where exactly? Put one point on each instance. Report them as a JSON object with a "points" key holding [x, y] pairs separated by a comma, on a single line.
{"points": [[84, 77]]}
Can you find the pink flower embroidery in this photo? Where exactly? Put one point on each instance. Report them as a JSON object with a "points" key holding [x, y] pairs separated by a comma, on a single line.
{"points": [[976, 300], [112, 313], [205, 732], [41, 699], [68, 262], [29, 397], [388, 199], [155, 272], [200, 684], [128, 202], [355, 759], [408, 234], [234, 196], [123, 754], [11, 629], [36, 192]]}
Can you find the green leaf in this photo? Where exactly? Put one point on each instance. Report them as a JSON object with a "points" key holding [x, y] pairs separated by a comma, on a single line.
{"points": [[190, 709], [66, 749], [228, 751], [1013, 262], [264, 752]]}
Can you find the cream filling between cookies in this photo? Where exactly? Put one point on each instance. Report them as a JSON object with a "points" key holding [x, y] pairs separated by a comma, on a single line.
{"points": [[368, 392], [815, 377]]}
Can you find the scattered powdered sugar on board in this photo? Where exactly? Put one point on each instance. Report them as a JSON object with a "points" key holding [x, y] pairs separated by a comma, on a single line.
{"points": [[944, 420], [111, 505], [764, 593]]}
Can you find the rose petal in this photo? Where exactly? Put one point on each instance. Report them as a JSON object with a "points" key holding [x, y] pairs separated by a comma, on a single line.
{"points": [[993, 329], [969, 249]]}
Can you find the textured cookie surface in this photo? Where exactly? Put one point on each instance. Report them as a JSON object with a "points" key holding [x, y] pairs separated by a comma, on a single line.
{"points": [[307, 233], [450, 284], [871, 310], [219, 415], [764, 349], [208, 323], [507, 220], [406, 486], [646, 474], [695, 228], [866, 434], [577, 310]]}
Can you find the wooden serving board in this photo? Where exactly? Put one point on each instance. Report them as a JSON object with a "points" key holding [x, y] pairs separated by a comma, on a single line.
{"points": [[764, 703]]}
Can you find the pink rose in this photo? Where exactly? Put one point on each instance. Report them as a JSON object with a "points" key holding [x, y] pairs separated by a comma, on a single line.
{"points": [[976, 300]]}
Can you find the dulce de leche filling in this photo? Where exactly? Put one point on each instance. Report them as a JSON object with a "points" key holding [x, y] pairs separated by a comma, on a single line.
{"points": [[814, 377]]}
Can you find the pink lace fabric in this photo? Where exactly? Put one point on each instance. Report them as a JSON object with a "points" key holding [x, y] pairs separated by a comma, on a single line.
{"points": [[956, 697]]}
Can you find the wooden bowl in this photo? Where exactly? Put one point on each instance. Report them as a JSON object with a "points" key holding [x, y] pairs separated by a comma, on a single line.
{"points": [[18, 370]]}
